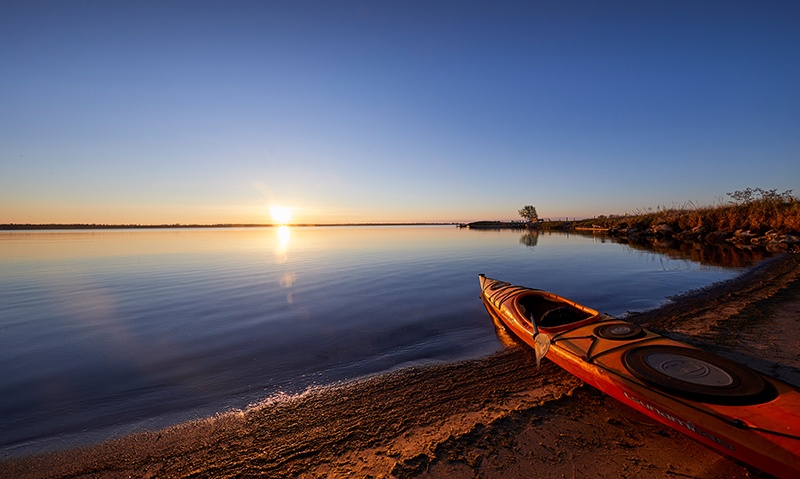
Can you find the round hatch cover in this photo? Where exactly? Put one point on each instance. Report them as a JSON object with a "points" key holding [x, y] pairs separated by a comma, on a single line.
{"points": [[697, 375], [693, 370], [619, 331]]}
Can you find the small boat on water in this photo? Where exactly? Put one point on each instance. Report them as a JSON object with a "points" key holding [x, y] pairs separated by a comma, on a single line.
{"points": [[720, 403]]}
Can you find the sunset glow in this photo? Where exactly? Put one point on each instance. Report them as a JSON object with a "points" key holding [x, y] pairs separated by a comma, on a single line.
{"points": [[281, 215], [371, 112]]}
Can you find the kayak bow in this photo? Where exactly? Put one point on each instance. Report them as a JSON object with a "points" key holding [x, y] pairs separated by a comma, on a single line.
{"points": [[718, 402]]}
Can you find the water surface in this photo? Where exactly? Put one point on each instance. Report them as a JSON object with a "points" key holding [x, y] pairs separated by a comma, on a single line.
{"points": [[105, 332]]}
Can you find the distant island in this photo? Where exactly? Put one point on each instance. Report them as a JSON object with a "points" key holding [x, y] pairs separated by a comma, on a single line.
{"points": [[493, 225]]}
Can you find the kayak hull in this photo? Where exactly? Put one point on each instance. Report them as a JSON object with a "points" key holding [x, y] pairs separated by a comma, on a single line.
{"points": [[719, 403]]}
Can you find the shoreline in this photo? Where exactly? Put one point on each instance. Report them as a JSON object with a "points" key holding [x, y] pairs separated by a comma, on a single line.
{"points": [[491, 417]]}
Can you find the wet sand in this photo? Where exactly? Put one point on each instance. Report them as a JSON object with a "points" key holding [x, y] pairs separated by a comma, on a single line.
{"points": [[496, 417]]}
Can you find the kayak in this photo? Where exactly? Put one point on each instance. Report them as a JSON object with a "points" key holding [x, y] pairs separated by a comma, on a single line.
{"points": [[718, 402]]}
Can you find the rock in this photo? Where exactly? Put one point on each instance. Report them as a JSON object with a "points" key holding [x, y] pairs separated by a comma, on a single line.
{"points": [[717, 237], [742, 236], [689, 235], [662, 229], [632, 232], [790, 239], [777, 242], [775, 239]]}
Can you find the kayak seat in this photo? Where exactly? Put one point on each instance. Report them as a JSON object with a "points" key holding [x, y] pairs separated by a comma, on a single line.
{"points": [[534, 306], [561, 316]]}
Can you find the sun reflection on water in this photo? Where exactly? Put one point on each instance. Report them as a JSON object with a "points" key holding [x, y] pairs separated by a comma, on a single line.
{"points": [[284, 236], [281, 252]]}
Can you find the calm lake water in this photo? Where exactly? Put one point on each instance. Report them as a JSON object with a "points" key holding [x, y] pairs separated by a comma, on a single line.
{"points": [[107, 332]]}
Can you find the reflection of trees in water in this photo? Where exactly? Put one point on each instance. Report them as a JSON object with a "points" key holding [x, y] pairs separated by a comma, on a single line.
{"points": [[725, 255], [530, 238], [713, 255]]}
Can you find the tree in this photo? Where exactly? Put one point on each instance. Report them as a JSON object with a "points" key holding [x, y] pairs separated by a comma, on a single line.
{"points": [[528, 213]]}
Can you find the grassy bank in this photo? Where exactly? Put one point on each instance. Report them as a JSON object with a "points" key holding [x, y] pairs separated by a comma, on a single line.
{"points": [[753, 216]]}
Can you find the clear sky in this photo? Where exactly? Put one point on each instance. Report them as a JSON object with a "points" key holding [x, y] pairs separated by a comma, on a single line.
{"points": [[386, 110]]}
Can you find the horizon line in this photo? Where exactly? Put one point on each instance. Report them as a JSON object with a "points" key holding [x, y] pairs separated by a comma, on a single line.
{"points": [[40, 226]]}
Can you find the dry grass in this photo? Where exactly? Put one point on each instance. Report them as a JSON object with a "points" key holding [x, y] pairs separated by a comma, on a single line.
{"points": [[756, 210]]}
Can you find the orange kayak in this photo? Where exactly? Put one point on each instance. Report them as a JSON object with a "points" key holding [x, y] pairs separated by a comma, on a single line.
{"points": [[718, 402]]}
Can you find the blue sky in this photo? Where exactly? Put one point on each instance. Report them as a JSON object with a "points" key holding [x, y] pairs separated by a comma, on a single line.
{"points": [[371, 111]]}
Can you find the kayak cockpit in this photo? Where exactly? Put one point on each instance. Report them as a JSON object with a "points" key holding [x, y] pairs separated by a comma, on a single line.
{"points": [[551, 311]]}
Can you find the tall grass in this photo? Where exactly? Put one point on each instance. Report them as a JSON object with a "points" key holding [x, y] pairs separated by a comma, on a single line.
{"points": [[753, 209]]}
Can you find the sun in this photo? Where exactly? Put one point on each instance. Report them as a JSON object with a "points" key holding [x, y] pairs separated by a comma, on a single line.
{"points": [[281, 215]]}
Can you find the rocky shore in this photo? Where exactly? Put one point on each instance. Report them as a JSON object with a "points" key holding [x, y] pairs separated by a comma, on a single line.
{"points": [[772, 241], [496, 417]]}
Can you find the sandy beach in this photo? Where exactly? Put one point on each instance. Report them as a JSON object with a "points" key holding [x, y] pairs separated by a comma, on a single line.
{"points": [[495, 417]]}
